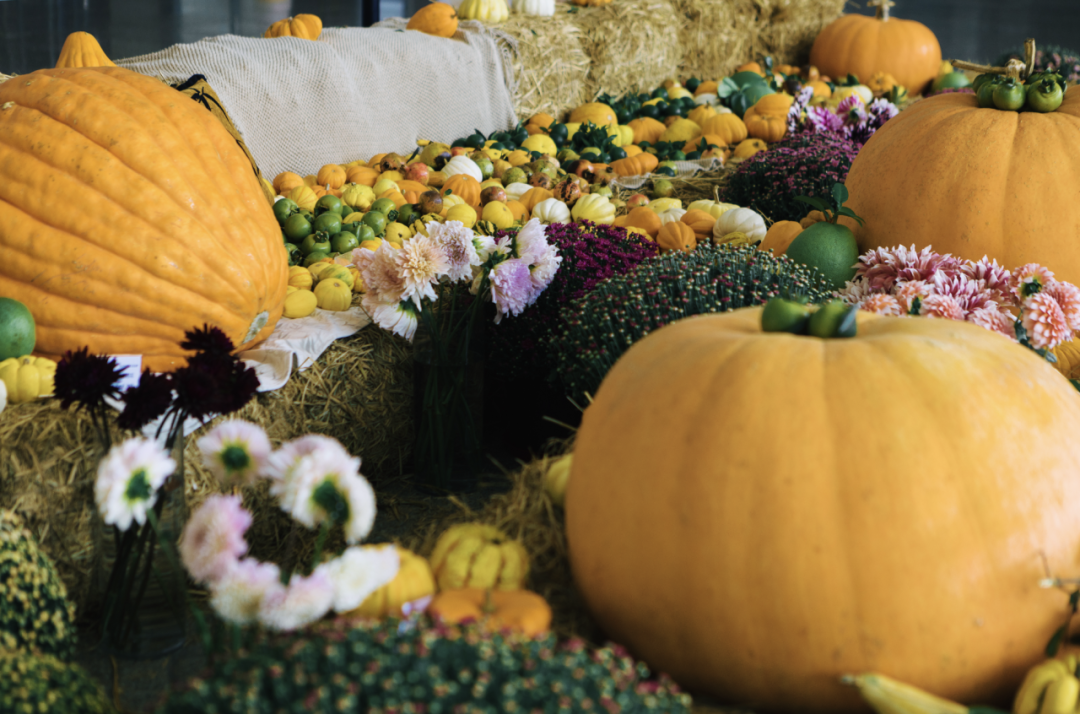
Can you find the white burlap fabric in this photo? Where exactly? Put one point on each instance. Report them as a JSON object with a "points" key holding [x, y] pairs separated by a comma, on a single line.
{"points": [[351, 94], [683, 169]]}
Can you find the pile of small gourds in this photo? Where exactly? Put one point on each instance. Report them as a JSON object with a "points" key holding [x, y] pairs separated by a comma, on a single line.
{"points": [[1043, 92]]}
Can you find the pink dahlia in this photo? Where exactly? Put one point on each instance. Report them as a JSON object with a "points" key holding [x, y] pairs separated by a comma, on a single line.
{"points": [[994, 320], [882, 304], [908, 292], [969, 294], [1028, 280], [1067, 296], [1045, 321], [994, 277], [942, 306]]}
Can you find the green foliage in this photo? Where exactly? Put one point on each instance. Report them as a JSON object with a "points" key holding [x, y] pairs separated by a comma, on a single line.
{"points": [[36, 614], [598, 328], [834, 208], [36, 684], [362, 666]]}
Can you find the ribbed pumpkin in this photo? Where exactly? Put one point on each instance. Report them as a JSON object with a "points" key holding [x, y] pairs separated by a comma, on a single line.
{"points": [[304, 26], [438, 18], [728, 126], [647, 129], [363, 175], [676, 235], [478, 555], [700, 222], [779, 236], [797, 525], [81, 49], [534, 196], [864, 45], [129, 215], [596, 112], [641, 217], [413, 581], [331, 175], [974, 182], [638, 165], [767, 127], [464, 187]]}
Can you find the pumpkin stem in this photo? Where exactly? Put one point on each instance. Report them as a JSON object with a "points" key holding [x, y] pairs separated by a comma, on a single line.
{"points": [[1018, 70], [489, 606], [882, 6]]}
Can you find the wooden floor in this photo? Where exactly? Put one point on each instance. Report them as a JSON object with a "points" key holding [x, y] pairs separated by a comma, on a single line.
{"points": [[32, 31]]}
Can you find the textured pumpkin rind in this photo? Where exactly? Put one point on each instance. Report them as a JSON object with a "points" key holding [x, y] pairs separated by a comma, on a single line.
{"points": [[862, 45], [872, 504], [467, 556], [974, 182], [123, 249]]}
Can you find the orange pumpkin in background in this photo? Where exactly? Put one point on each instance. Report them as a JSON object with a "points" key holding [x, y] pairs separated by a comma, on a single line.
{"points": [[520, 611], [974, 182], [821, 528], [134, 217], [864, 45], [304, 26], [438, 18]]}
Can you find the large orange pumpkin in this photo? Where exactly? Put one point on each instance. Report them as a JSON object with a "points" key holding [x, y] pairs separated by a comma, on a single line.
{"points": [[864, 45], [757, 514], [129, 215], [974, 182]]}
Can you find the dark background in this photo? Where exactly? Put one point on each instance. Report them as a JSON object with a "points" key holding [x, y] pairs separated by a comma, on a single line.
{"points": [[32, 31]]}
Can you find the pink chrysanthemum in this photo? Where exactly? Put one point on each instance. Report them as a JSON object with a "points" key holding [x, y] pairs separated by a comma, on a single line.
{"points": [[456, 242], [994, 276], [213, 538], [235, 451], [1028, 280], [994, 320], [238, 594], [882, 304], [883, 268], [969, 294], [942, 306], [511, 287], [301, 602], [856, 291], [1044, 321], [420, 261], [1067, 296], [908, 292], [926, 264], [382, 278]]}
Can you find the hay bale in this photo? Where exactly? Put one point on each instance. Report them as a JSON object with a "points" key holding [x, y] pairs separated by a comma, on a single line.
{"points": [[359, 392], [715, 36], [633, 45], [791, 27], [550, 64]]}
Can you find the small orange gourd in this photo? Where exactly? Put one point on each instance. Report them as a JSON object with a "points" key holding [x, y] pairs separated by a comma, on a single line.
{"points": [[286, 181], [463, 186], [363, 175], [520, 611], [700, 222], [533, 196], [728, 127], [779, 236], [647, 129], [767, 127], [676, 235], [438, 19], [331, 175], [304, 26], [596, 112], [637, 165], [644, 218]]}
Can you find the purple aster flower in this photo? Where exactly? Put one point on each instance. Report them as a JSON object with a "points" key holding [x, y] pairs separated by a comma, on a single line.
{"points": [[824, 121], [511, 287], [147, 401]]}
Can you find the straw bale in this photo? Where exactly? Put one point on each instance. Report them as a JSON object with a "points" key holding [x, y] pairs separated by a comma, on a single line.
{"points": [[550, 64], [715, 35], [633, 45], [791, 26], [359, 392]]}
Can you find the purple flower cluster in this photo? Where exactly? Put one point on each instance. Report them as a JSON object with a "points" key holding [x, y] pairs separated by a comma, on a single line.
{"points": [[851, 119], [803, 164], [591, 253], [1051, 57]]}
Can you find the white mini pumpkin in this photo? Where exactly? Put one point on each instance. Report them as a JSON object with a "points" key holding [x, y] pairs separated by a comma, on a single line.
{"points": [[489, 11], [515, 191], [744, 220], [462, 165], [540, 8], [671, 215], [594, 207], [551, 210]]}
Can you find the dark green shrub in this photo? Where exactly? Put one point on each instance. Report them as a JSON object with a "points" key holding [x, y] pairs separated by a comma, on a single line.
{"points": [[42, 684]]}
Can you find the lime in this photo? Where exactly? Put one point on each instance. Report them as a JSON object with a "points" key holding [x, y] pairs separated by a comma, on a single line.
{"points": [[830, 248], [314, 257], [782, 315], [376, 221], [343, 242], [17, 331], [328, 222], [284, 208], [297, 227], [328, 204], [834, 319]]}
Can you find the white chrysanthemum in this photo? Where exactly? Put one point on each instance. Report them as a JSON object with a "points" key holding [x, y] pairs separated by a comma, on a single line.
{"points": [[397, 316], [383, 281], [324, 469], [128, 479], [543, 270], [531, 242], [484, 245], [301, 602], [511, 288], [235, 451], [290, 475], [237, 596], [358, 572], [213, 538], [456, 242], [420, 261], [360, 496], [855, 291]]}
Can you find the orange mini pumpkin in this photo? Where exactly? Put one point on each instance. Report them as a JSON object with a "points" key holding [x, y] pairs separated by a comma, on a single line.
{"points": [[700, 222], [304, 26], [286, 181], [533, 196], [518, 210], [413, 581], [496, 610], [332, 176], [647, 129], [728, 127], [676, 235], [596, 112], [439, 19], [463, 186], [767, 127], [644, 218], [779, 236], [363, 175], [637, 165]]}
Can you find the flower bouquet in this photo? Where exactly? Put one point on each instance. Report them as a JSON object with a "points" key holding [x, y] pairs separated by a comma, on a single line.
{"points": [[431, 291]]}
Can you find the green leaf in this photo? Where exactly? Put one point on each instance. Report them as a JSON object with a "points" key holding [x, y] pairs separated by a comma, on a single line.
{"points": [[1075, 383], [980, 709], [726, 88], [839, 193], [1055, 641], [1074, 600], [814, 202], [845, 211]]}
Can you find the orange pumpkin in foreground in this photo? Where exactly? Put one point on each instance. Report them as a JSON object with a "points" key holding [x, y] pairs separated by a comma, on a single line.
{"points": [[757, 514], [517, 610], [129, 215], [974, 182], [863, 45]]}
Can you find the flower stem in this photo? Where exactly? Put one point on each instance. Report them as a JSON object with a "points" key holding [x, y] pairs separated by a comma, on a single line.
{"points": [[319, 541]]}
